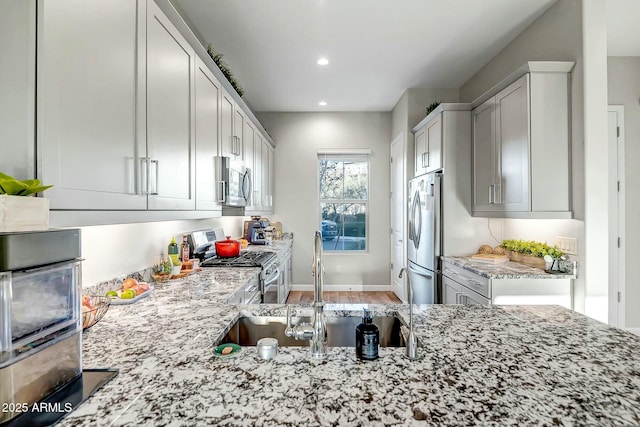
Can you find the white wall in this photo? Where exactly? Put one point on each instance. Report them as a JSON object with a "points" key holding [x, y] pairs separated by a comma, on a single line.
{"points": [[17, 87], [111, 251], [623, 77], [299, 136]]}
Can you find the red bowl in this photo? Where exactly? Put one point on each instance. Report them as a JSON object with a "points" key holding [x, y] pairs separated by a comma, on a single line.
{"points": [[228, 248]]}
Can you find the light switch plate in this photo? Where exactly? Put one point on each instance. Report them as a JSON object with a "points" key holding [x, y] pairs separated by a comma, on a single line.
{"points": [[568, 245]]}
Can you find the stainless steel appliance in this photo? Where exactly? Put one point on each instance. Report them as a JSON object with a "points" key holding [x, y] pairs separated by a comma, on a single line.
{"points": [[269, 274], [234, 182], [425, 237], [40, 316], [255, 231], [202, 242]]}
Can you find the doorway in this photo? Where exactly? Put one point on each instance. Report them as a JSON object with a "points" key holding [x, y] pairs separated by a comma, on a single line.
{"points": [[398, 214], [615, 132]]}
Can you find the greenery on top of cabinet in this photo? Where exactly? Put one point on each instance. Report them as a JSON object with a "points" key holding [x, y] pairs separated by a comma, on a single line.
{"points": [[217, 58], [431, 107], [531, 247], [13, 187]]}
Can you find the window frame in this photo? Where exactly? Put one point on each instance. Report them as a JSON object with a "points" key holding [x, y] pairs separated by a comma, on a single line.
{"points": [[345, 154]]}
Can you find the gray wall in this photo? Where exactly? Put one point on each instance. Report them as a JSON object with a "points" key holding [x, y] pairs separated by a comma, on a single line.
{"points": [[624, 89], [299, 136], [555, 36], [17, 87]]}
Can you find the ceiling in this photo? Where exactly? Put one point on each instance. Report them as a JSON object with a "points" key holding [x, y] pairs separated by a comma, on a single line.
{"points": [[376, 48]]}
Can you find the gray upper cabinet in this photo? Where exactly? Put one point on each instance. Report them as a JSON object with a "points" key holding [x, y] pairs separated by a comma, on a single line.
{"points": [[206, 134], [170, 115], [232, 128], [91, 123], [521, 146], [428, 145]]}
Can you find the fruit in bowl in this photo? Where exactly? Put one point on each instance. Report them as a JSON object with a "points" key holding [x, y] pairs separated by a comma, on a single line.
{"points": [[130, 289]]}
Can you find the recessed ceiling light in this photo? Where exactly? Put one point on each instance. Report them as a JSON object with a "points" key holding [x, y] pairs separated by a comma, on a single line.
{"points": [[322, 103], [322, 61]]}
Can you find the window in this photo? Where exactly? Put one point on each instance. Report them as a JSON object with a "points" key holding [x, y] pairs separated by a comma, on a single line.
{"points": [[343, 198]]}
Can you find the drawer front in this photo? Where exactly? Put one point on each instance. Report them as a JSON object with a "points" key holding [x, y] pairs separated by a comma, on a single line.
{"points": [[475, 282]]}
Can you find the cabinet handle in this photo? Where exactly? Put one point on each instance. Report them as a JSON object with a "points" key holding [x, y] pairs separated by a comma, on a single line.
{"points": [[497, 194], [428, 159], [155, 191], [473, 282], [458, 295], [144, 178], [491, 194], [453, 272], [222, 192]]}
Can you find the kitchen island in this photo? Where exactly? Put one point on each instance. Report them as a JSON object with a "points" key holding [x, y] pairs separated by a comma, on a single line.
{"points": [[502, 365]]}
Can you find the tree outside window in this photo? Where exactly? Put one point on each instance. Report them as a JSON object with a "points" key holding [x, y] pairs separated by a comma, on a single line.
{"points": [[343, 200]]}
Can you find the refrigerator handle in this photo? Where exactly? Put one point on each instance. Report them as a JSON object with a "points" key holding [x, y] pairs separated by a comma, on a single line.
{"points": [[417, 228], [438, 216], [413, 270]]}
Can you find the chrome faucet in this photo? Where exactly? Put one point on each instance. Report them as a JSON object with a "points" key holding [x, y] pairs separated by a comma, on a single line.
{"points": [[412, 342], [316, 333]]}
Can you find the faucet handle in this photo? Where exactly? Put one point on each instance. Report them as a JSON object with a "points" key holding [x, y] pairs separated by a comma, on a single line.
{"points": [[289, 330]]}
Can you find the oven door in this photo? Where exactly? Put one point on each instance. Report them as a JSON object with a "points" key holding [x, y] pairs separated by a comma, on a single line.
{"points": [[270, 286]]}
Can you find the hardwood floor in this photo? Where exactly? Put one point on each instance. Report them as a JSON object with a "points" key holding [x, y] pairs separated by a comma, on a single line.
{"points": [[332, 297]]}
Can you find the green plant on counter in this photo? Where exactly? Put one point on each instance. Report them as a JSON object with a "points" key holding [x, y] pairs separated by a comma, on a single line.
{"points": [[217, 58], [431, 107], [531, 247], [14, 187], [162, 267]]}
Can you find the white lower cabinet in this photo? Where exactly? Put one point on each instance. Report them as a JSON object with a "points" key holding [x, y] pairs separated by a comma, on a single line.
{"points": [[461, 286]]}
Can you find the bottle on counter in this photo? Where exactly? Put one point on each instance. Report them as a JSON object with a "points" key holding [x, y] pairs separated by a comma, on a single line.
{"points": [[173, 252], [367, 338], [185, 249]]}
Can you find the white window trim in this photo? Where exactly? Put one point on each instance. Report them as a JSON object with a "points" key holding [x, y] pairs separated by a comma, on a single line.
{"points": [[346, 153]]}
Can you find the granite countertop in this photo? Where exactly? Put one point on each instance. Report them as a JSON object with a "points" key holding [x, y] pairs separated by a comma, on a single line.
{"points": [[505, 270], [488, 365]]}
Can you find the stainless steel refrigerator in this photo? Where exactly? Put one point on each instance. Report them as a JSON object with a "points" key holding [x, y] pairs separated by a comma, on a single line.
{"points": [[425, 237]]}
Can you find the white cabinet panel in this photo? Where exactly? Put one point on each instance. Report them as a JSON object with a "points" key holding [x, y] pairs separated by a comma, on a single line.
{"points": [[420, 147], [512, 140], [521, 161], [170, 105], [91, 103], [428, 145], [207, 93], [249, 137], [227, 139]]}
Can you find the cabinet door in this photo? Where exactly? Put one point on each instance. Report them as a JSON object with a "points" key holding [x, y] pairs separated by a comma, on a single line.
{"points": [[227, 139], [249, 141], [170, 118], [484, 165], [91, 129], [512, 141], [257, 171], [207, 94], [434, 144], [471, 298], [420, 164], [265, 175], [272, 177], [452, 291], [239, 120]]}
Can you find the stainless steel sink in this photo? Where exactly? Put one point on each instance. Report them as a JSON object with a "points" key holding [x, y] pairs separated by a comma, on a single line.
{"points": [[341, 331]]}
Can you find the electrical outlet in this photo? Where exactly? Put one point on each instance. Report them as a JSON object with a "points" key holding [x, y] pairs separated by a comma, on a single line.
{"points": [[338, 268], [567, 244]]}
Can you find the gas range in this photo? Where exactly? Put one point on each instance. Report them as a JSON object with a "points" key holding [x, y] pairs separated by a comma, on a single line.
{"points": [[245, 259]]}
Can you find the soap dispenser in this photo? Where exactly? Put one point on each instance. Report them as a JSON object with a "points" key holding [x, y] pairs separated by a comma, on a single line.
{"points": [[367, 338]]}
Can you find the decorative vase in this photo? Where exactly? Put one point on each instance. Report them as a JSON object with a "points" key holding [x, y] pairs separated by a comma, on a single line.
{"points": [[23, 213], [527, 259]]}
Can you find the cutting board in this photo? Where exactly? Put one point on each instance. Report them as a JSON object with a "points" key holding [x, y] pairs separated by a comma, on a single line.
{"points": [[490, 258]]}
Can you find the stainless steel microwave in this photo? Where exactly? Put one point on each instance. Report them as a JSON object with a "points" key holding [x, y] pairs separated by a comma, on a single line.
{"points": [[234, 182]]}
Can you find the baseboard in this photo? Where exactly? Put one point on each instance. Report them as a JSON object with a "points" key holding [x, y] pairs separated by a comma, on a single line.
{"points": [[635, 331], [344, 288]]}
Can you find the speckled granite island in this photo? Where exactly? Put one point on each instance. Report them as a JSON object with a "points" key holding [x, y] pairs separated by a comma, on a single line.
{"points": [[478, 365]]}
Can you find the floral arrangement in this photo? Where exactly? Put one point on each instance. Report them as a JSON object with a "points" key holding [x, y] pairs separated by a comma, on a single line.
{"points": [[217, 58]]}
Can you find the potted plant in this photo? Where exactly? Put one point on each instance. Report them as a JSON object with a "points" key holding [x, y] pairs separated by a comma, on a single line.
{"points": [[19, 211], [530, 252]]}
